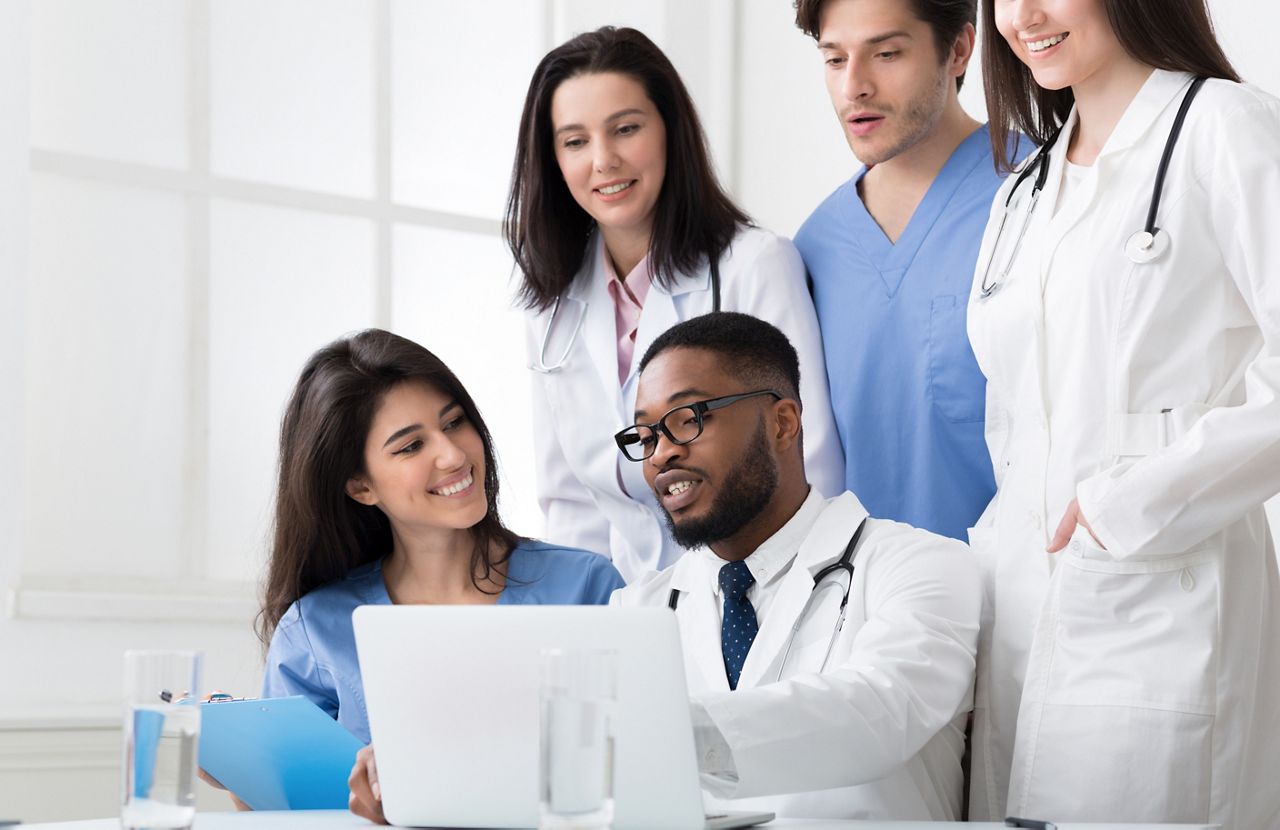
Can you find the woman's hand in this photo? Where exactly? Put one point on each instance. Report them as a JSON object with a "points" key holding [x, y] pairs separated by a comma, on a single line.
{"points": [[366, 797], [216, 784], [1067, 526]]}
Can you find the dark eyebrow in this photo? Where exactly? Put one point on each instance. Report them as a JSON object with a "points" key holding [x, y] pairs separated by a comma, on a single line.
{"points": [[403, 431], [614, 117], [400, 433], [871, 41], [888, 36]]}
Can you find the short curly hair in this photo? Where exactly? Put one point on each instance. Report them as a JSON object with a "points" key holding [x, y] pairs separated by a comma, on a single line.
{"points": [[752, 350]]}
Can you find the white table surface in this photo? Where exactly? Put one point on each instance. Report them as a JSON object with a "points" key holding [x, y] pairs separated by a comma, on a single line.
{"points": [[342, 820]]}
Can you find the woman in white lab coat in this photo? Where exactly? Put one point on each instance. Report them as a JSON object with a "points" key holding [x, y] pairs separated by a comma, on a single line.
{"points": [[1130, 655], [615, 219]]}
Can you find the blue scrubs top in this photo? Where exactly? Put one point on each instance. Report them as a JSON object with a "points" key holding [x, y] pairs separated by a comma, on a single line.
{"points": [[907, 393], [313, 650]]}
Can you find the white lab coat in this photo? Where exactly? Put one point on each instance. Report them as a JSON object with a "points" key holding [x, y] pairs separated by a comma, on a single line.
{"points": [[880, 732], [594, 498], [1139, 682]]}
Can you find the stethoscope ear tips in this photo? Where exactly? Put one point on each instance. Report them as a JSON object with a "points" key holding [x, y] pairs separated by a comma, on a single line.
{"points": [[1146, 246]]}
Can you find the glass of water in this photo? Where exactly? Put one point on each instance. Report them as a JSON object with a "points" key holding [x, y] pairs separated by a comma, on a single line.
{"points": [[161, 739], [579, 693]]}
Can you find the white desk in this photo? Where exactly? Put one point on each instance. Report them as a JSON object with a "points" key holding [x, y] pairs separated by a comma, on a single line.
{"points": [[341, 820]]}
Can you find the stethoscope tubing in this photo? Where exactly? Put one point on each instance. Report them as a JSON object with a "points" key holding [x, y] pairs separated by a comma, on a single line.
{"points": [[545, 368], [1174, 132], [1040, 166], [844, 563]]}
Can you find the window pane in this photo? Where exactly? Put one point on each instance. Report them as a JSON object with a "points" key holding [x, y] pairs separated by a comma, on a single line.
{"points": [[450, 293], [106, 380], [283, 284], [110, 79], [291, 86], [459, 73]]}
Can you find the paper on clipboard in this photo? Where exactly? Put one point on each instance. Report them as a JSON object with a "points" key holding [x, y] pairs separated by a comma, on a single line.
{"points": [[278, 753]]}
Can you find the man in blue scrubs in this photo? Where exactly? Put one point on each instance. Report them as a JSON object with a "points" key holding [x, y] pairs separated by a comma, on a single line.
{"points": [[891, 255]]}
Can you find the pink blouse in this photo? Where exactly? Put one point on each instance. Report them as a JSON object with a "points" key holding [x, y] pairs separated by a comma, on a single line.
{"points": [[628, 301]]}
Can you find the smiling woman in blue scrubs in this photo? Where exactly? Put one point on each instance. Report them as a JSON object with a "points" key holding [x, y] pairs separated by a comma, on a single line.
{"points": [[388, 493]]}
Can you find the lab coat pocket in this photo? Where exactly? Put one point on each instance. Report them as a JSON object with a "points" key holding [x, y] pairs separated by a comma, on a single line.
{"points": [[1124, 710], [1136, 632], [956, 384]]}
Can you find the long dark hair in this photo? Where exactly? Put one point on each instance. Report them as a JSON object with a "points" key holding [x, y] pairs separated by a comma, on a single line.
{"points": [[320, 532], [1167, 34], [546, 229]]}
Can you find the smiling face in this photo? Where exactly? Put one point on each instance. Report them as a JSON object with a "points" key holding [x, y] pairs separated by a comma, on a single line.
{"points": [[611, 145], [423, 462], [887, 82], [719, 483], [1063, 42]]}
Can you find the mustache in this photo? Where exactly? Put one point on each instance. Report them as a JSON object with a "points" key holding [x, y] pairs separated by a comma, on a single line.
{"points": [[674, 467], [847, 113]]}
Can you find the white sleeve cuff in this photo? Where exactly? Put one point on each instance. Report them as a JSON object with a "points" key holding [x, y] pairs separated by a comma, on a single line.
{"points": [[716, 769]]}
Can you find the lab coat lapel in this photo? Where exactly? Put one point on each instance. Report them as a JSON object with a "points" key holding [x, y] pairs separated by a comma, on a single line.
{"points": [[1049, 225], [699, 621], [1161, 90], [823, 545], [599, 328], [662, 310]]}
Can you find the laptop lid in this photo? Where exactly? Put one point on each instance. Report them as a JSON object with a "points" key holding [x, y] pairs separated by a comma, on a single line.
{"points": [[452, 698]]}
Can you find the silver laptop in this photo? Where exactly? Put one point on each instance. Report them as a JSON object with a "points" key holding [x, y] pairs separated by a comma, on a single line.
{"points": [[452, 696]]}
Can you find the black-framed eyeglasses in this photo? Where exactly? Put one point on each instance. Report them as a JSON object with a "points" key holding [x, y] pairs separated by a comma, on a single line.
{"points": [[681, 425]]}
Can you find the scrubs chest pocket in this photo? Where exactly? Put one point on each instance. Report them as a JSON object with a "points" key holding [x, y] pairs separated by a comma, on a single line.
{"points": [[956, 384]]}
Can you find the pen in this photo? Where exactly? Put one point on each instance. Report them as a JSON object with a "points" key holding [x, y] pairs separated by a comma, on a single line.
{"points": [[216, 697], [1029, 823]]}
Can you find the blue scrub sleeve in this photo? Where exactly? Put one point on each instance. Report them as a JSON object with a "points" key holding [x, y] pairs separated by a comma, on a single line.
{"points": [[602, 581], [292, 669]]}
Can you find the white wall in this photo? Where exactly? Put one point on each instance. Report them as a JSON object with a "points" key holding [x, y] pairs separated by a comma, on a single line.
{"points": [[757, 82]]}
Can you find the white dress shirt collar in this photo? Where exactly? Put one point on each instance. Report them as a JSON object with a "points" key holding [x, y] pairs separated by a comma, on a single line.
{"points": [[774, 556]]}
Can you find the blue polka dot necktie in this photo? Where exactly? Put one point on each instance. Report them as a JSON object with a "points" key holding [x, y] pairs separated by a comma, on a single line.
{"points": [[738, 630]]}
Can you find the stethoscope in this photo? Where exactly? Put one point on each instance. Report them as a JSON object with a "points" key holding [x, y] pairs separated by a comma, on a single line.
{"points": [[844, 563], [1141, 247], [579, 311]]}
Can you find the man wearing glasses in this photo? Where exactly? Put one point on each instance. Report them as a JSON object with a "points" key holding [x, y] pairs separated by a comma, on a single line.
{"points": [[830, 656]]}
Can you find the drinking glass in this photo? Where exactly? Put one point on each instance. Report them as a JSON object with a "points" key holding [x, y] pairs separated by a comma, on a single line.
{"points": [[578, 696], [161, 739]]}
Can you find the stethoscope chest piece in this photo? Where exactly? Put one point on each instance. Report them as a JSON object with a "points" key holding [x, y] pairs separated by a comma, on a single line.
{"points": [[1146, 246]]}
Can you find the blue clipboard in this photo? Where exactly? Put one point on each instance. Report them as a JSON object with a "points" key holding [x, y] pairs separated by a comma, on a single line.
{"points": [[278, 753]]}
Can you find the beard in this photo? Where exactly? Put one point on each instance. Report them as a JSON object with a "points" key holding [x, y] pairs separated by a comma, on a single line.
{"points": [[747, 489]]}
